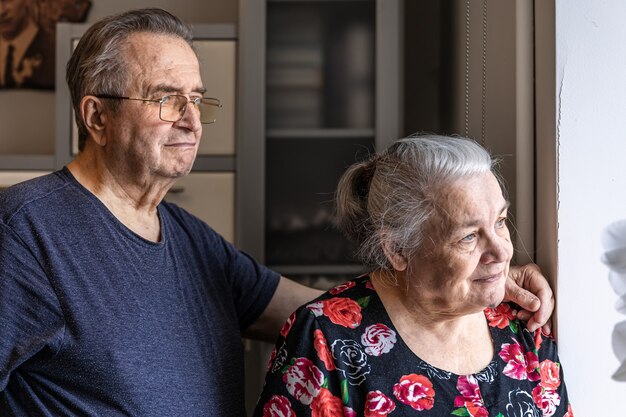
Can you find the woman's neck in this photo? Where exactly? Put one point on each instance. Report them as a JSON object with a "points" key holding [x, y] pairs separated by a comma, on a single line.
{"points": [[456, 343]]}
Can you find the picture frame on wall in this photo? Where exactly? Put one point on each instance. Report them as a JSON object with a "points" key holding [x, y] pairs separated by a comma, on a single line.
{"points": [[28, 38]]}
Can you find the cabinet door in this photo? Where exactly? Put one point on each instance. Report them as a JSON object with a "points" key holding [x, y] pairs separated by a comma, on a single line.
{"points": [[218, 71], [209, 196]]}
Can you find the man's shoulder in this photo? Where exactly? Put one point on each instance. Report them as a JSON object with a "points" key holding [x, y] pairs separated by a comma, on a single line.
{"points": [[30, 193]]}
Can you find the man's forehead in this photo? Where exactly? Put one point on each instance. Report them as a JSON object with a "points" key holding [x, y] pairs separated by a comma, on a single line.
{"points": [[162, 63]]}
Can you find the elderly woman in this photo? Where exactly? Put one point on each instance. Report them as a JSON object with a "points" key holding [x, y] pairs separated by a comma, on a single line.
{"points": [[426, 332]]}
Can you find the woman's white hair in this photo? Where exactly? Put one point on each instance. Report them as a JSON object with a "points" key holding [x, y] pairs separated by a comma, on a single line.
{"points": [[392, 194]]}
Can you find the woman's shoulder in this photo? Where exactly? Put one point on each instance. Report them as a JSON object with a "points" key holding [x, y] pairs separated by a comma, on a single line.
{"points": [[509, 332]]}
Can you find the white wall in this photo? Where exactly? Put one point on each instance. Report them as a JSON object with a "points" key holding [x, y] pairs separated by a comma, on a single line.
{"points": [[591, 129]]}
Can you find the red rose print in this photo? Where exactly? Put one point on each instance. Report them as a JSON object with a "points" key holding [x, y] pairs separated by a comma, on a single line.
{"points": [[287, 326], [569, 413], [550, 375], [520, 364], [538, 339], [342, 287], [369, 285], [500, 316], [470, 397], [343, 311], [546, 400], [271, 361], [326, 405], [304, 380], [323, 352], [416, 391], [278, 406], [378, 404], [378, 339]]}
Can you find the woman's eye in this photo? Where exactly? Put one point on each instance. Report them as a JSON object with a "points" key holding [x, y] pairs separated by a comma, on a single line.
{"points": [[501, 222], [469, 238]]}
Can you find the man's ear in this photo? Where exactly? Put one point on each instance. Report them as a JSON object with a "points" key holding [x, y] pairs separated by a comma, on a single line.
{"points": [[397, 260], [94, 116]]}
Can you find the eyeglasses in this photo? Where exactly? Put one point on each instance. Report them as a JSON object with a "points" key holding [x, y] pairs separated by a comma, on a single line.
{"points": [[172, 108]]}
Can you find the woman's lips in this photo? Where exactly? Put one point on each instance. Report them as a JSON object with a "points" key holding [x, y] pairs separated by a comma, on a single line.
{"points": [[487, 279]]}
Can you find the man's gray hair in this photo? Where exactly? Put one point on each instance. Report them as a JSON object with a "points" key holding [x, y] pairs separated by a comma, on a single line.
{"points": [[98, 66], [392, 195]]}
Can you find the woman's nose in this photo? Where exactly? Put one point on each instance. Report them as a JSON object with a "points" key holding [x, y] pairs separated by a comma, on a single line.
{"points": [[499, 249]]}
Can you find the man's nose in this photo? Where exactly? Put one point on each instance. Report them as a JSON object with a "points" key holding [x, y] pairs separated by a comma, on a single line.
{"points": [[191, 118]]}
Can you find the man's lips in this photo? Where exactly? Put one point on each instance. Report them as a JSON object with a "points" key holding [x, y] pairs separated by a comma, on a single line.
{"points": [[181, 144]]}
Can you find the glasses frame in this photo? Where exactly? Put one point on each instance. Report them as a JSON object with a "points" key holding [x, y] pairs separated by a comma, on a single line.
{"points": [[164, 99]]}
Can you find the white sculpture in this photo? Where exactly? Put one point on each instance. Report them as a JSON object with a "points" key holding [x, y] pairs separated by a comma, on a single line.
{"points": [[614, 243]]}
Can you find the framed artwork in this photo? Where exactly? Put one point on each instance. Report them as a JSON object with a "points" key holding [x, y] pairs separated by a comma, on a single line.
{"points": [[28, 39]]}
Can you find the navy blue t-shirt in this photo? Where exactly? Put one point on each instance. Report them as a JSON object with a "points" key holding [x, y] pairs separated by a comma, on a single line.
{"points": [[95, 320]]}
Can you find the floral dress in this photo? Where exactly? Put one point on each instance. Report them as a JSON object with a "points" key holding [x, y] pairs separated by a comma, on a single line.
{"points": [[340, 355]]}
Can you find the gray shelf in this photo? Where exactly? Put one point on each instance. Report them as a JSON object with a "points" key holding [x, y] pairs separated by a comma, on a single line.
{"points": [[342, 269], [319, 133], [27, 162]]}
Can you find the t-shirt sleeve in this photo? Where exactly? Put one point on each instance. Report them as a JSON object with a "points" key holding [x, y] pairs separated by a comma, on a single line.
{"points": [[30, 315], [253, 285]]}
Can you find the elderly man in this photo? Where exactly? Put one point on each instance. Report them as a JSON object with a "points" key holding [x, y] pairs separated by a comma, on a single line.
{"points": [[112, 301]]}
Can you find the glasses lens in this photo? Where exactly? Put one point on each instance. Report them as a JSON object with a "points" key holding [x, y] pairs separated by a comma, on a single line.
{"points": [[208, 109], [173, 108]]}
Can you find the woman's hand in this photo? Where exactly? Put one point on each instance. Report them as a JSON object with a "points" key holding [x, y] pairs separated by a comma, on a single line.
{"points": [[527, 287]]}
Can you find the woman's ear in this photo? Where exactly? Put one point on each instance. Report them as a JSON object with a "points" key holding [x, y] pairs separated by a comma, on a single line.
{"points": [[397, 260], [94, 116]]}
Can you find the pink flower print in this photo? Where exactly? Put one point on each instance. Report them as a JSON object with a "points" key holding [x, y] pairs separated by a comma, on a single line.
{"points": [[520, 364], [547, 400], [316, 308], [342, 287], [378, 404], [416, 391], [378, 339], [369, 285], [304, 380], [348, 412], [500, 316], [569, 413], [278, 406], [287, 326], [470, 397]]}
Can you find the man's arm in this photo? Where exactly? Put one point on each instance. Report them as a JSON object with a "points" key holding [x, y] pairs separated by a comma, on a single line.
{"points": [[527, 287], [288, 297]]}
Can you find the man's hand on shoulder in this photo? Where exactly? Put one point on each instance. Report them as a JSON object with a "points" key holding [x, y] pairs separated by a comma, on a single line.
{"points": [[527, 287]]}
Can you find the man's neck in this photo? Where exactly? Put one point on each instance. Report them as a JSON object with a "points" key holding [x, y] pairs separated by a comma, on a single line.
{"points": [[135, 205]]}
